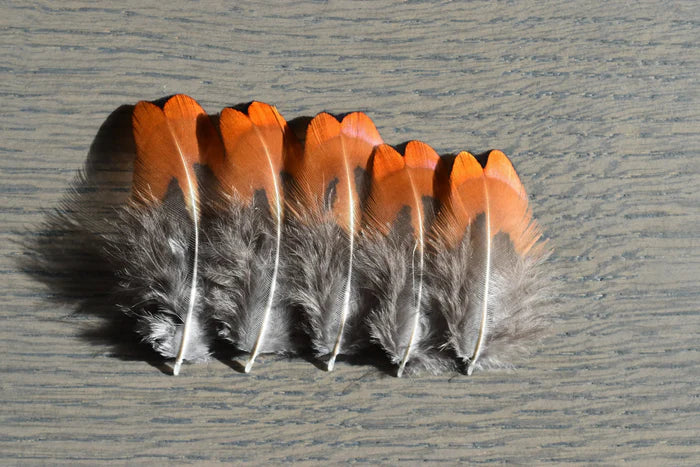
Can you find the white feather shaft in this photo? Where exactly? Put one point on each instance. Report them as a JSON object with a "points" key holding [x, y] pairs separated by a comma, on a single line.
{"points": [[347, 294], [419, 290], [273, 283], [483, 324], [187, 325]]}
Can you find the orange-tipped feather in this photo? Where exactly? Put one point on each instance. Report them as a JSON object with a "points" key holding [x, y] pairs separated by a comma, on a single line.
{"points": [[244, 258], [334, 153], [488, 233], [512, 213], [401, 181], [167, 148], [394, 262], [496, 190], [328, 185], [170, 143], [459, 210], [256, 145]]}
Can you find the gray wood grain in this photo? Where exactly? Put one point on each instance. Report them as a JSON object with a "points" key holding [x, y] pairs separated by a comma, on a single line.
{"points": [[598, 106]]}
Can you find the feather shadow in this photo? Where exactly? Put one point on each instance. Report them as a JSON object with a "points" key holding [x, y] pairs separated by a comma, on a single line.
{"points": [[65, 252]]}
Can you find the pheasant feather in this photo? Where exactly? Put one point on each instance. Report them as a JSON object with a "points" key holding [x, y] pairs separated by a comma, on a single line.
{"points": [[488, 279], [243, 262], [398, 215], [329, 185], [156, 240]]}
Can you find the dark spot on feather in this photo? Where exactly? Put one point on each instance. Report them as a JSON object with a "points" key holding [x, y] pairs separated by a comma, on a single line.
{"points": [[331, 193], [362, 184]]}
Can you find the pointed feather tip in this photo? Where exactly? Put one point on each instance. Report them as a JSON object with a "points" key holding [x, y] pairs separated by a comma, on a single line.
{"points": [[399, 371], [331, 363], [465, 167], [249, 365], [470, 368]]}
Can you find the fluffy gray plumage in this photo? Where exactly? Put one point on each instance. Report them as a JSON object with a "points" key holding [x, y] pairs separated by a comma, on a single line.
{"points": [[518, 288], [151, 251], [388, 268], [317, 251], [238, 263]]}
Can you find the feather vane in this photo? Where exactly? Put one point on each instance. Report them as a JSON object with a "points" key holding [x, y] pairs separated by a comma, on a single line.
{"points": [[488, 246], [167, 153], [398, 216], [329, 185], [244, 260]]}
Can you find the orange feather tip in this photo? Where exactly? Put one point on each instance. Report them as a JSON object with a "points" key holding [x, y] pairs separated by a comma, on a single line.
{"points": [[499, 166], [170, 142], [258, 113], [326, 176], [386, 161], [256, 142], [465, 168], [147, 120], [497, 188], [419, 155], [359, 126], [182, 106], [399, 182], [322, 128], [356, 125]]}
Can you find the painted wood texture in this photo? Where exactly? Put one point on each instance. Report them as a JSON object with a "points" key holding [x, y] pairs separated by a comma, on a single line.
{"points": [[598, 107]]}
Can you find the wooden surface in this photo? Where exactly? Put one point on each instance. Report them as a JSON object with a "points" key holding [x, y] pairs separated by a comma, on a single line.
{"points": [[598, 106]]}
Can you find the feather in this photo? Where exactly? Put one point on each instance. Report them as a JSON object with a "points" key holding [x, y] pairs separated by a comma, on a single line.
{"points": [[488, 278], [329, 185], [243, 260], [156, 243], [398, 215]]}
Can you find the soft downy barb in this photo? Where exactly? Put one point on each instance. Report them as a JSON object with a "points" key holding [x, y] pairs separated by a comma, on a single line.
{"points": [[246, 258], [168, 148], [328, 191], [487, 231], [393, 256]]}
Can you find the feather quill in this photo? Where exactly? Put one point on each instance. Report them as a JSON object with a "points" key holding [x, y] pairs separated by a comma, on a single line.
{"points": [[243, 263], [488, 278], [156, 242], [328, 188], [398, 215]]}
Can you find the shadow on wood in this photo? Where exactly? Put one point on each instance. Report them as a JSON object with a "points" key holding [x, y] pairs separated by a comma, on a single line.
{"points": [[65, 253]]}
